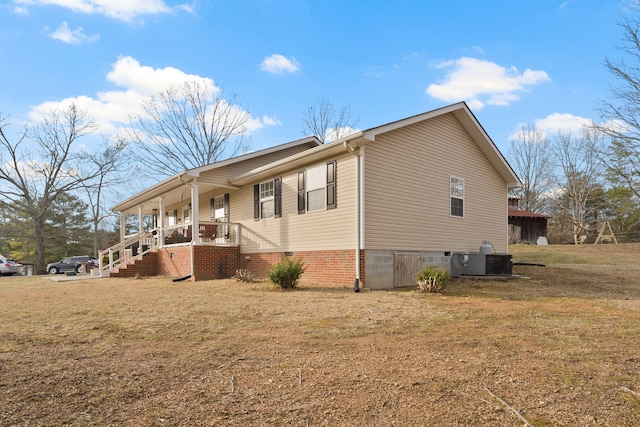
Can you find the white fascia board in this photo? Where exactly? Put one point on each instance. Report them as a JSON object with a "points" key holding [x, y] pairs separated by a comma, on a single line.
{"points": [[297, 160]]}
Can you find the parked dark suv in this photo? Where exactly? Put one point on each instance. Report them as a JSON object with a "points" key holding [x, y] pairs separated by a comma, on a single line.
{"points": [[72, 263]]}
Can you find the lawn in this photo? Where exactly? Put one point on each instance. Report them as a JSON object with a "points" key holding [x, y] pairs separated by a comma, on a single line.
{"points": [[558, 346]]}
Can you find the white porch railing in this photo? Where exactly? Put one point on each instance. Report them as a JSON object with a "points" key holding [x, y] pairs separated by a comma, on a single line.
{"points": [[209, 233], [132, 247], [136, 245]]}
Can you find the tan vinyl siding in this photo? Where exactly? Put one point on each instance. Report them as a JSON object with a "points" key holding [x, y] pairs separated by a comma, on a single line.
{"points": [[222, 175], [204, 211], [410, 210], [322, 230], [175, 206]]}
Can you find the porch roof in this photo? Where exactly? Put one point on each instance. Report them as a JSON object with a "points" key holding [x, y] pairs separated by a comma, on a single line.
{"points": [[173, 187]]}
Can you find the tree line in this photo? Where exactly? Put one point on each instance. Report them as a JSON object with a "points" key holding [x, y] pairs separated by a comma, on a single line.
{"points": [[581, 179]]}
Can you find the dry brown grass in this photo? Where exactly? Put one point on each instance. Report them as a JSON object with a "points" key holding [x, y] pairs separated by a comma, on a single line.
{"points": [[560, 347]]}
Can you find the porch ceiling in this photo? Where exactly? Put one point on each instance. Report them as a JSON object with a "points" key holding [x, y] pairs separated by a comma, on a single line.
{"points": [[175, 190]]}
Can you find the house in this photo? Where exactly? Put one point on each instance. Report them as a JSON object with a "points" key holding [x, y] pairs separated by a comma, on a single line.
{"points": [[372, 208], [525, 226]]}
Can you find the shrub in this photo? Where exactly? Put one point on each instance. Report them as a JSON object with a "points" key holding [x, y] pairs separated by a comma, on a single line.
{"points": [[432, 279], [286, 273]]}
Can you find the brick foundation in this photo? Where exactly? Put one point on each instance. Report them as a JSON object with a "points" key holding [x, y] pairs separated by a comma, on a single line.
{"points": [[210, 262], [174, 261], [327, 268], [215, 262]]}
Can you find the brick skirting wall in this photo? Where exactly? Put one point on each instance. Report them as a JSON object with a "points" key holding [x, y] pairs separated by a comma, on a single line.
{"points": [[215, 262], [327, 268], [174, 261], [210, 262]]}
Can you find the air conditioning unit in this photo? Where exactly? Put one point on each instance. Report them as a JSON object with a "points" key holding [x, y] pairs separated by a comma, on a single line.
{"points": [[478, 264]]}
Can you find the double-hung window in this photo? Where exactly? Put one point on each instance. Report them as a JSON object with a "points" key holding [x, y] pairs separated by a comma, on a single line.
{"points": [[317, 188], [220, 213], [267, 199], [217, 209], [457, 197]]}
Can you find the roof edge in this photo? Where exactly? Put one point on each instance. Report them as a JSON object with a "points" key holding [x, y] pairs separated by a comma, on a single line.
{"points": [[178, 179]]}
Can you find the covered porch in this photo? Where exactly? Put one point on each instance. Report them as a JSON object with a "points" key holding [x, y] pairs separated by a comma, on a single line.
{"points": [[170, 220]]}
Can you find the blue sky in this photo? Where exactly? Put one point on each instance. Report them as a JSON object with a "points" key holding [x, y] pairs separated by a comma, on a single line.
{"points": [[513, 61]]}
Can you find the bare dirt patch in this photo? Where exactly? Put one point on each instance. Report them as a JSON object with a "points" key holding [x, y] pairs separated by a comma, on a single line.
{"points": [[560, 347]]}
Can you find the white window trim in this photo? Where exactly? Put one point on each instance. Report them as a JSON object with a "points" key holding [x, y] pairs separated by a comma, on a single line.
{"points": [[271, 198], [323, 172], [215, 217], [186, 214], [452, 196]]}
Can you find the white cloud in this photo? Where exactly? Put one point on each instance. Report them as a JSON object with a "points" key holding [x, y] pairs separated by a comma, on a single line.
{"points": [[147, 81], [556, 122], [67, 35], [481, 82], [255, 123], [122, 10], [112, 109], [271, 121], [561, 122], [279, 64]]}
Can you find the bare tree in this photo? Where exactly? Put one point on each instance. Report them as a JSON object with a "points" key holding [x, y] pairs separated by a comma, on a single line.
{"points": [[110, 164], [530, 157], [577, 174], [41, 166], [323, 120], [621, 114], [187, 127]]}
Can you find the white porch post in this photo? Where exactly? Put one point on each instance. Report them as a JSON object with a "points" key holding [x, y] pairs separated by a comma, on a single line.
{"points": [[140, 227], [195, 224], [140, 221], [195, 217], [122, 226], [161, 224]]}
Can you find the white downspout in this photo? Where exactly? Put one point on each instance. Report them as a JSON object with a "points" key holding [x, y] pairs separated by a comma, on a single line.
{"points": [[358, 151], [361, 197]]}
